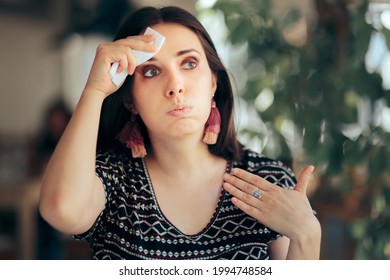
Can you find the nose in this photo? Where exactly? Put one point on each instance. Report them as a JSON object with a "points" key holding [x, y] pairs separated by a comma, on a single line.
{"points": [[175, 92], [175, 87]]}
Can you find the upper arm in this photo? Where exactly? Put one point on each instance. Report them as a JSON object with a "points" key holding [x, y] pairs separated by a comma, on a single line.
{"points": [[95, 207], [74, 217], [278, 248]]}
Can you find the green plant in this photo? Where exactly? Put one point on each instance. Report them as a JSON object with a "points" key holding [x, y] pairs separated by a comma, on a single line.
{"points": [[325, 107]]}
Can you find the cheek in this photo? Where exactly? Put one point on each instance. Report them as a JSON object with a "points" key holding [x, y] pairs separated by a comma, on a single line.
{"points": [[207, 81], [141, 96], [141, 85], [138, 89]]}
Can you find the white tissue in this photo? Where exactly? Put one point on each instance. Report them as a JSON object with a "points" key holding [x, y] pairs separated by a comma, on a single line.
{"points": [[140, 57]]}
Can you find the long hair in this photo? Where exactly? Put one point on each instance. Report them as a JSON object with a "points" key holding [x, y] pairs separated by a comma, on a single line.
{"points": [[114, 112]]}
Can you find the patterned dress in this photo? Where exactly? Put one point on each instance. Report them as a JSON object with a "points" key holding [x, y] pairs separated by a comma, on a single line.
{"points": [[132, 226]]}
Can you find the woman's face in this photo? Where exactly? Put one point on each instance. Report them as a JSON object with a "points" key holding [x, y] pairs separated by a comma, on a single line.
{"points": [[172, 91]]}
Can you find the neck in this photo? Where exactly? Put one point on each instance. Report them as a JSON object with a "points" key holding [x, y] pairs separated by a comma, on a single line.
{"points": [[182, 158]]}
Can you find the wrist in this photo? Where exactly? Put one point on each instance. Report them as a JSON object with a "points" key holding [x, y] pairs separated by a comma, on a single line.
{"points": [[98, 95], [307, 243], [311, 233]]}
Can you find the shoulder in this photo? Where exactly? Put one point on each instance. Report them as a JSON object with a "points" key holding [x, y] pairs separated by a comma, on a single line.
{"points": [[117, 164], [112, 158], [270, 169]]}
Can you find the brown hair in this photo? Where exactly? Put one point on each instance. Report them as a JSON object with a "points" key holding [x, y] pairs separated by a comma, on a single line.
{"points": [[114, 114]]}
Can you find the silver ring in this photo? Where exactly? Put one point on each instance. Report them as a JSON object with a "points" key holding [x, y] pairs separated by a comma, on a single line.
{"points": [[256, 193]]}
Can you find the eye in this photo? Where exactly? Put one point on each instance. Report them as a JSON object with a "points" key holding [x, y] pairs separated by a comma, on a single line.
{"points": [[190, 64], [150, 72]]}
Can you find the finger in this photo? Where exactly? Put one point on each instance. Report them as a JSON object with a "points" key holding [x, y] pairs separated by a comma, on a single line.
{"points": [[248, 198], [122, 51], [247, 208], [304, 179], [252, 179], [123, 59], [240, 184], [148, 38], [135, 44], [124, 56], [131, 63], [140, 43]]}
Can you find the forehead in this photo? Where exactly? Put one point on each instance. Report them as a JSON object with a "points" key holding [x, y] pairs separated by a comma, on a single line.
{"points": [[178, 37]]}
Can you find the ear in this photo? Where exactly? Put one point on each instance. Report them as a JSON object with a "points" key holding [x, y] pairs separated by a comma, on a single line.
{"points": [[131, 108], [128, 103]]}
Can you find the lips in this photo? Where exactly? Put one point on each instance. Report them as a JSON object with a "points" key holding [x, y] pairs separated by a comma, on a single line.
{"points": [[180, 111]]}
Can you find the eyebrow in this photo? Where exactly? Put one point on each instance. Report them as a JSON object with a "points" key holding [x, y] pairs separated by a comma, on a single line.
{"points": [[180, 53], [183, 52]]}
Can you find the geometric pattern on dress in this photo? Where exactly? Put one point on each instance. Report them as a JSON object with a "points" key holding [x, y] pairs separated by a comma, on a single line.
{"points": [[132, 226]]}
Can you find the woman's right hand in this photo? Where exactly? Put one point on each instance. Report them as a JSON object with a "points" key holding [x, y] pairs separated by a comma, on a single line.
{"points": [[118, 51], [66, 187]]}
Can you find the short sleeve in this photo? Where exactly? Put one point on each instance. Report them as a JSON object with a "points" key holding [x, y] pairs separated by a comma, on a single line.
{"points": [[103, 171]]}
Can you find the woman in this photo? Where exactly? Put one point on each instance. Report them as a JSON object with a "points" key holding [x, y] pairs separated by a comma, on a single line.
{"points": [[185, 190]]}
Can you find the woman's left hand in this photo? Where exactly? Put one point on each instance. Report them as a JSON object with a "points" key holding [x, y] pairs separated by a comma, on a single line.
{"points": [[283, 210]]}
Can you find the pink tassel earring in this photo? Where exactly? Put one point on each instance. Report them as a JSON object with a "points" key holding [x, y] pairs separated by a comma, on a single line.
{"points": [[213, 125], [132, 138]]}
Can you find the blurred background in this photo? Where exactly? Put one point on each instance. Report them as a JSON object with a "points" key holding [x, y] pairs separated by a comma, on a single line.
{"points": [[312, 82]]}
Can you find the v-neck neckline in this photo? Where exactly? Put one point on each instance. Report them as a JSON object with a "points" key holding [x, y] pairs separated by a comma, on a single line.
{"points": [[165, 219]]}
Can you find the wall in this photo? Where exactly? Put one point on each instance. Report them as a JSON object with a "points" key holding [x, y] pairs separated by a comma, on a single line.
{"points": [[29, 71], [33, 71]]}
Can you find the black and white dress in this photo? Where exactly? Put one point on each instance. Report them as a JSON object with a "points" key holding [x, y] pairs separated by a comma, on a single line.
{"points": [[132, 226]]}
